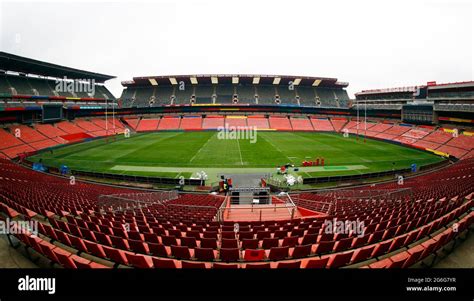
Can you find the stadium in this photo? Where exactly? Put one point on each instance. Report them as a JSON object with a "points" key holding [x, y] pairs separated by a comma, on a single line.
{"points": [[232, 171]]}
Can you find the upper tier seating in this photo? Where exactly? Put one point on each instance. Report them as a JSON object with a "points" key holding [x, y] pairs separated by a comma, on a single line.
{"points": [[163, 95], [307, 96], [266, 94], [204, 94], [287, 96], [246, 93], [153, 96], [327, 97], [26, 85], [183, 97], [142, 97], [224, 94]]}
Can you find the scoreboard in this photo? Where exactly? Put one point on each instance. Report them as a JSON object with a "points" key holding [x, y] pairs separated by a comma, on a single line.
{"points": [[52, 112]]}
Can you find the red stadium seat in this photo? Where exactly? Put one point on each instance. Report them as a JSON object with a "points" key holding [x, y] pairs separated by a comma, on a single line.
{"points": [[340, 259], [343, 244], [382, 264], [270, 243], [169, 240], [78, 243], [301, 251], [158, 250], [47, 250], [254, 255], [362, 254], [289, 265], [209, 243], [324, 247], [317, 263], [257, 266], [225, 266], [189, 242], [381, 248], [309, 239], [64, 258], [399, 260], [120, 243], [229, 243], [278, 253], [116, 255], [204, 254], [83, 263], [250, 244], [139, 260], [164, 263], [229, 255], [290, 241], [138, 246], [180, 252], [95, 249]]}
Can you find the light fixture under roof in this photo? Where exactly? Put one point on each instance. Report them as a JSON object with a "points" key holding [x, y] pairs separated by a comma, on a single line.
{"points": [[193, 80], [235, 80], [276, 80], [256, 80], [316, 82], [173, 81], [297, 81], [214, 80], [153, 82]]}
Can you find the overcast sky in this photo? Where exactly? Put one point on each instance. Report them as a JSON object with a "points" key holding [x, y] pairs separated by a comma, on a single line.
{"points": [[370, 44]]}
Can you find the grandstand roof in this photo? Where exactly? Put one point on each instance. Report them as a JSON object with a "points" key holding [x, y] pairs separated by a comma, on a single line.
{"points": [[388, 90], [11, 62], [467, 84], [237, 79], [430, 85]]}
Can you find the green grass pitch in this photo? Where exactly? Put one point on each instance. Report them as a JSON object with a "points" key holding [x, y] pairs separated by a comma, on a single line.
{"points": [[174, 154]]}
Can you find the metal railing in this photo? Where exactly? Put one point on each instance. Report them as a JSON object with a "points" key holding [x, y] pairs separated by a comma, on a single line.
{"points": [[254, 211]]}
